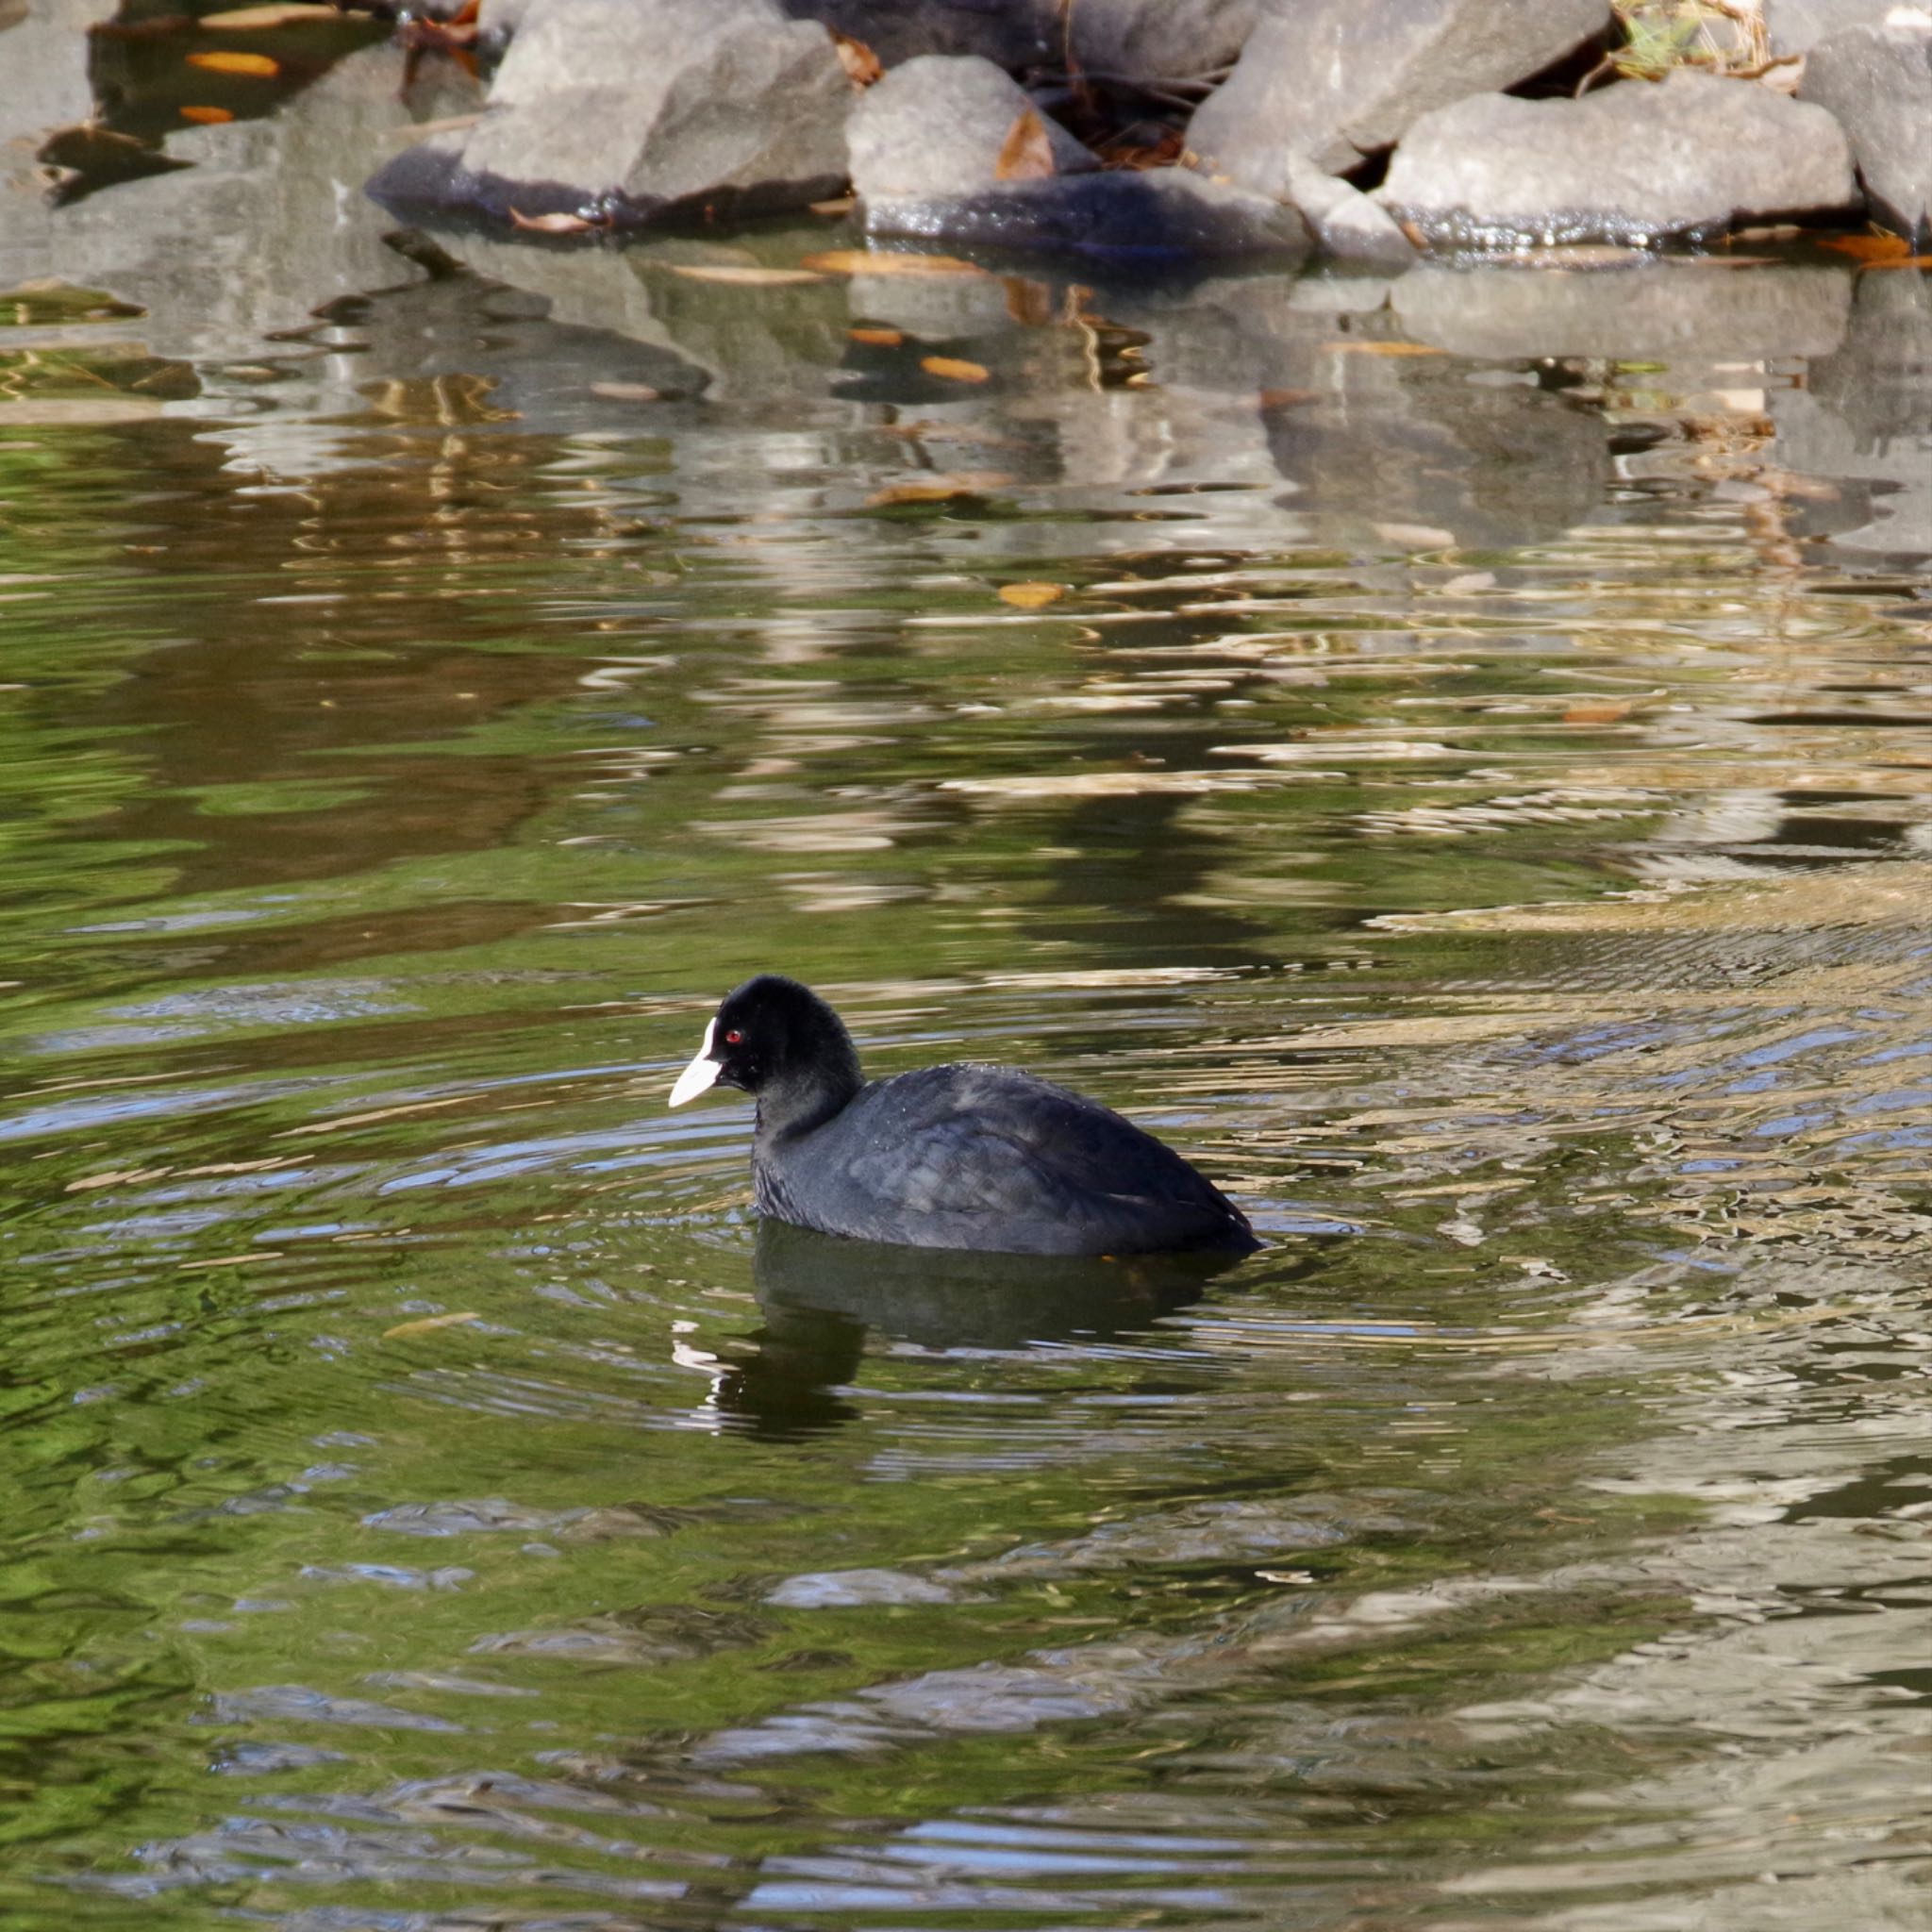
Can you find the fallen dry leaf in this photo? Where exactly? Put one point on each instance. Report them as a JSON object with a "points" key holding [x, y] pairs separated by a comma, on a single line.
{"points": [[742, 275], [426, 1324], [1026, 154], [252, 19], [1031, 596], [862, 66], [1288, 398], [952, 368], [913, 493], [1382, 349], [1871, 248], [206, 117], [558, 224], [877, 338], [257, 66], [864, 261]]}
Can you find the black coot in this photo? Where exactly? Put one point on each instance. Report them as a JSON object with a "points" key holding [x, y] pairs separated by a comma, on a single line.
{"points": [[957, 1157]]}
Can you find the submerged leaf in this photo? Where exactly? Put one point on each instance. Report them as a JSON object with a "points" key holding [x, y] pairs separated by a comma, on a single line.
{"points": [[252, 19], [862, 261], [426, 1324], [1031, 596], [558, 222], [255, 66], [743, 275]]}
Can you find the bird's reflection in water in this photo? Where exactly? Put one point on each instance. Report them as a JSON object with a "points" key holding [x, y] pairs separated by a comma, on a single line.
{"points": [[822, 1294]]}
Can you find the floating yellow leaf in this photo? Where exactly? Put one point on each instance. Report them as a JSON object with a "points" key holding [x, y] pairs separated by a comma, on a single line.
{"points": [[1031, 596], [743, 275], [253, 19], [426, 1324], [1382, 349], [952, 368], [864, 261], [206, 117], [256, 66], [877, 338], [1026, 154], [1869, 247]]}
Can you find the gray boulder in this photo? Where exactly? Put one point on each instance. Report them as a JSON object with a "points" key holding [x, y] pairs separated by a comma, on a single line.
{"points": [[1345, 222], [634, 114], [1163, 214], [1011, 33], [1634, 162], [1795, 26], [1159, 41], [937, 126], [1337, 79], [1878, 83]]}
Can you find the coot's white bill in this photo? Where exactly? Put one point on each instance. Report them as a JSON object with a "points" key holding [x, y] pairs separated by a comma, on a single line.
{"points": [[701, 1075]]}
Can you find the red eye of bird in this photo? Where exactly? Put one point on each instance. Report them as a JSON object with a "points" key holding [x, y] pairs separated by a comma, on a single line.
{"points": [[734, 1038]]}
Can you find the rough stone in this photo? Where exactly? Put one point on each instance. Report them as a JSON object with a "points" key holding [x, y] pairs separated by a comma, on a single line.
{"points": [[1878, 83], [935, 128], [724, 107], [1632, 163], [1166, 213], [1159, 40], [1345, 222], [1010, 33], [1795, 26], [1339, 80]]}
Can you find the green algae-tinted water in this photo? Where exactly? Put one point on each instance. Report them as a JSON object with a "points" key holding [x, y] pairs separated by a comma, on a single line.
{"points": [[1453, 759]]}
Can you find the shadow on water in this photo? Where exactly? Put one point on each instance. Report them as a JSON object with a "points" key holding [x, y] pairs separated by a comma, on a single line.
{"points": [[823, 1296]]}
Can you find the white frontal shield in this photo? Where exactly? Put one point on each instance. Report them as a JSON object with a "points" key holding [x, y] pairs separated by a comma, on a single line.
{"points": [[701, 1075]]}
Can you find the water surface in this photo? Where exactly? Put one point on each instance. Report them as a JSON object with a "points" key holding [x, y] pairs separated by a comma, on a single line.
{"points": [[1451, 756]]}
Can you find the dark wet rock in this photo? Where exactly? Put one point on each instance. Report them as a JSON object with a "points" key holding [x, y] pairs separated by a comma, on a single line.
{"points": [[935, 127], [1165, 213], [1864, 419], [1335, 80], [1702, 310], [825, 1590], [1877, 81], [1631, 164], [684, 109], [1345, 222]]}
